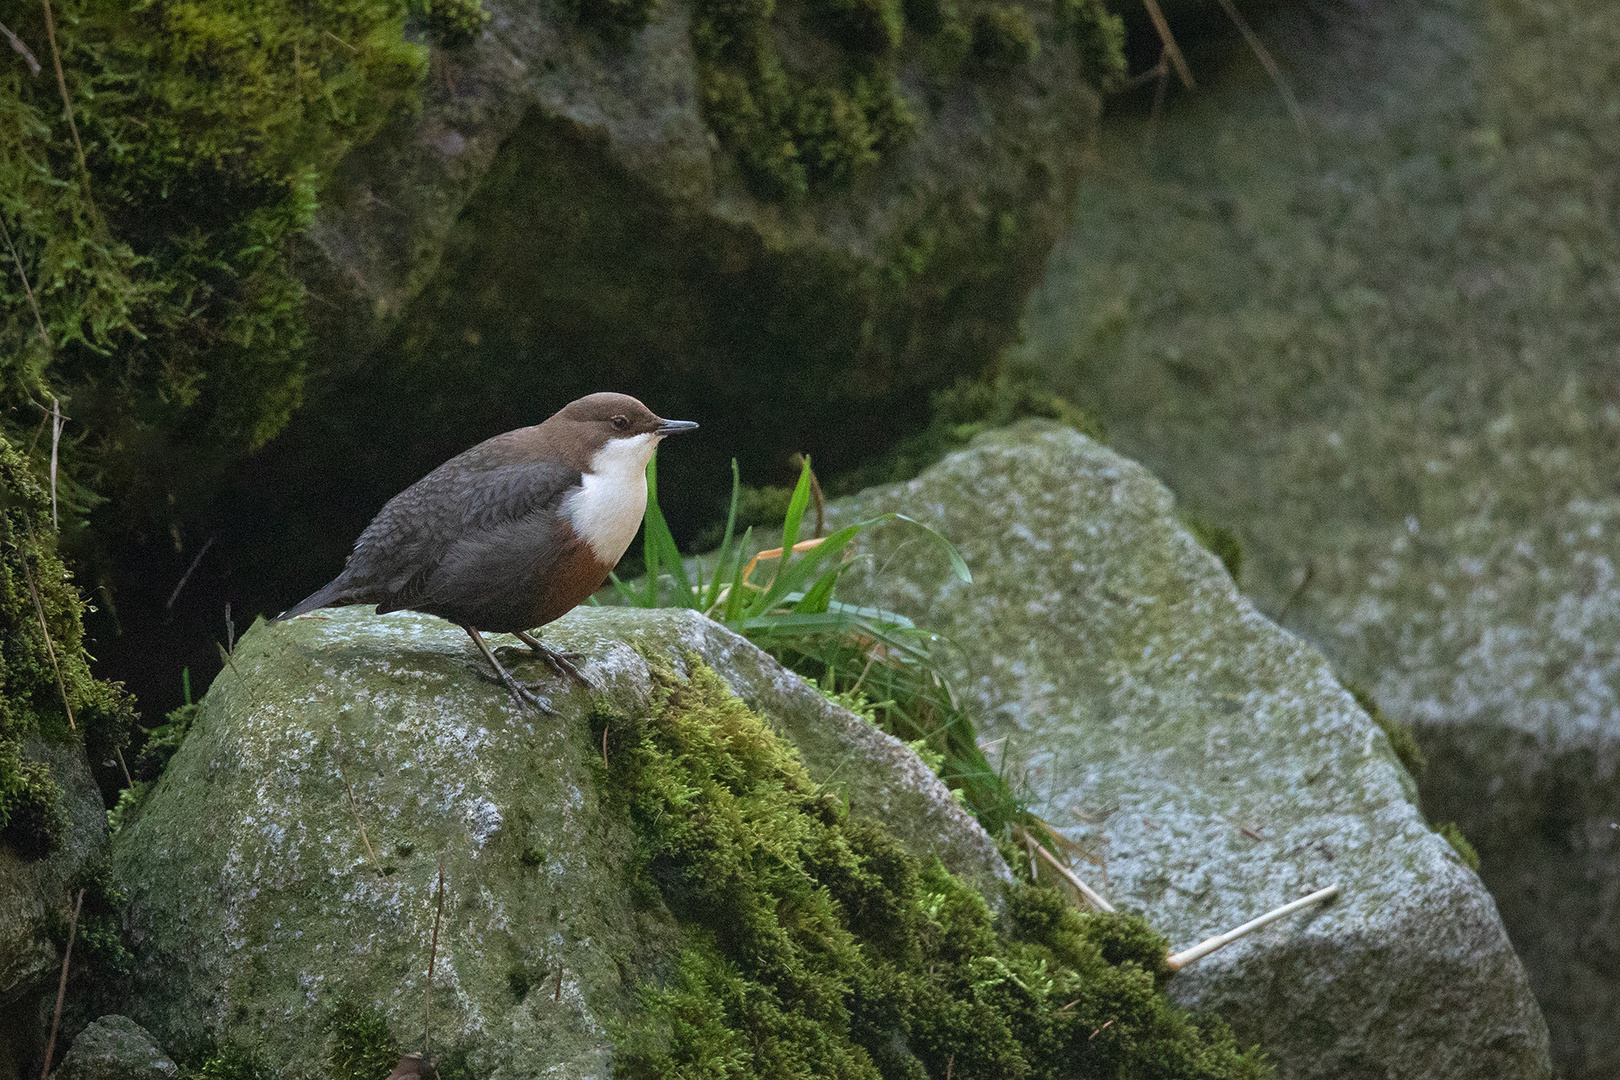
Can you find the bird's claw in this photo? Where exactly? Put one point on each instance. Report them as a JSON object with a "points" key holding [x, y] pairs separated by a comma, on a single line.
{"points": [[522, 693]]}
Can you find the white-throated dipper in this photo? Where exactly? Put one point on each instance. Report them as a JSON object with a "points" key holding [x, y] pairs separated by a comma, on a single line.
{"points": [[513, 533]]}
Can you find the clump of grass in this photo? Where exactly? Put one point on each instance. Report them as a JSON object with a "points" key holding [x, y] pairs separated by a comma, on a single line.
{"points": [[813, 944], [783, 600]]}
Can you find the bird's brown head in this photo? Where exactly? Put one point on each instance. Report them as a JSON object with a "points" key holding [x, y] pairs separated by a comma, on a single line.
{"points": [[616, 423]]}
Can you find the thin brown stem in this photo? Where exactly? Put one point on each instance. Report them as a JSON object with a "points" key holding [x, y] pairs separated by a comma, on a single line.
{"points": [[1162, 28], [353, 808], [67, 107], [28, 290], [50, 650], [433, 954], [61, 988], [1269, 64]]}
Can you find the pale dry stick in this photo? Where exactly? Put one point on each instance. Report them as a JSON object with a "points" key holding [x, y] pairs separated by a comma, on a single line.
{"points": [[18, 47], [185, 577], [1091, 895], [50, 650], [1269, 64], [433, 954], [56, 444], [1170, 47], [61, 988], [1179, 960], [67, 106]]}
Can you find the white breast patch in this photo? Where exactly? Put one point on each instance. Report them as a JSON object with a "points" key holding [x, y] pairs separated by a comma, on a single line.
{"points": [[607, 509]]}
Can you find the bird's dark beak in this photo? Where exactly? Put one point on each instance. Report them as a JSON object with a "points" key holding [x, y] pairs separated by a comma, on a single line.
{"points": [[674, 427]]}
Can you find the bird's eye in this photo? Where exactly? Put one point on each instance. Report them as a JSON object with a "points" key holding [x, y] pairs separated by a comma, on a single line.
{"points": [[620, 422]]}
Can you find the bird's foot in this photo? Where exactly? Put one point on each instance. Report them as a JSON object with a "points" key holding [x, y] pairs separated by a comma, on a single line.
{"points": [[563, 663], [521, 693]]}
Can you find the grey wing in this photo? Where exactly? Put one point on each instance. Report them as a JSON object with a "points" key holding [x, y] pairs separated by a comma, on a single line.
{"points": [[395, 557]]}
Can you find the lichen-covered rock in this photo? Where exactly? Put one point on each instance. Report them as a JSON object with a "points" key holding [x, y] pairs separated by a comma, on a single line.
{"points": [[36, 893], [1383, 361], [1209, 762], [115, 1048], [285, 865]]}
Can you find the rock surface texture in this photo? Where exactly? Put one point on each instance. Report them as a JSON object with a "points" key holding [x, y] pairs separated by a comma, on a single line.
{"points": [[34, 891], [330, 725], [115, 1048], [1208, 760], [1389, 365]]}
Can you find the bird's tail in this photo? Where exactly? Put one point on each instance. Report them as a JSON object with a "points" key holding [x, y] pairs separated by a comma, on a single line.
{"points": [[332, 593]]}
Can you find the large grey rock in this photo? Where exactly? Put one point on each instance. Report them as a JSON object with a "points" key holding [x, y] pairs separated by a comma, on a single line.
{"points": [[31, 890], [115, 1048], [1388, 362], [1208, 759], [254, 904], [560, 218]]}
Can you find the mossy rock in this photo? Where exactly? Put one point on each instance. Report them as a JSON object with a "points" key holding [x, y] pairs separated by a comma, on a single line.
{"points": [[1378, 357], [257, 908], [1207, 759], [36, 902]]}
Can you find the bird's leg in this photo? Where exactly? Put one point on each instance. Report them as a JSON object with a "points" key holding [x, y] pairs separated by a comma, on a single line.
{"points": [[560, 662], [523, 694]]}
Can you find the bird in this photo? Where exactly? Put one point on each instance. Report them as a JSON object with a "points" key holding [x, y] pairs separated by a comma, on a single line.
{"points": [[513, 533]]}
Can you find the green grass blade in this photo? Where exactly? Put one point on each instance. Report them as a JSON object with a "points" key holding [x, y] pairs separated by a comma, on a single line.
{"points": [[725, 541], [959, 567], [795, 513], [735, 600], [791, 577]]}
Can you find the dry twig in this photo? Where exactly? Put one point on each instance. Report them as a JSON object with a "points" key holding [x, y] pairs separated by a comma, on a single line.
{"points": [[353, 808], [18, 47], [1269, 64], [50, 650], [433, 953], [1179, 960], [28, 290], [61, 988], [1172, 50], [185, 577], [67, 106], [1092, 895]]}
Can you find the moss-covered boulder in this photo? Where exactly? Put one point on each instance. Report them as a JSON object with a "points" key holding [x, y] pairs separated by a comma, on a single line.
{"points": [[1386, 361], [36, 901], [1206, 760], [283, 873], [115, 1048]]}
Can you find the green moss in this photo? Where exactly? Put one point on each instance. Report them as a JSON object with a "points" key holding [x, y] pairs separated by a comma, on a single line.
{"points": [[1221, 542], [812, 944], [359, 1044], [163, 268], [1459, 843], [1004, 38], [796, 131], [454, 23], [1400, 735], [228, 1062], [42, 675]]}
